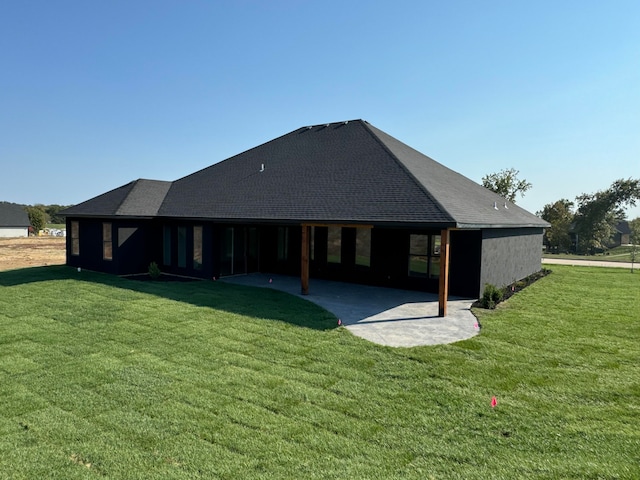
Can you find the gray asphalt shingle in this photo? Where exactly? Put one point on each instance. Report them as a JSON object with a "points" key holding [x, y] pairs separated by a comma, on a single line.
{"points": [[346, 172], [13, 215]]}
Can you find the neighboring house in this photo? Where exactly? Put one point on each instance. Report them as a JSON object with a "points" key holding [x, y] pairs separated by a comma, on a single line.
{"points": [[341, 201], [621, 235], [14, 221]]}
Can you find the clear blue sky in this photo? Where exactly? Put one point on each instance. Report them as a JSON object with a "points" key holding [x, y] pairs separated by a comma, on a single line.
{"points": [[96, 94]]}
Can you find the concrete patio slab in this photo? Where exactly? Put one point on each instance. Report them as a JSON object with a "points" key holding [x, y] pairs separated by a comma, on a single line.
{"points": [[396, 318]]}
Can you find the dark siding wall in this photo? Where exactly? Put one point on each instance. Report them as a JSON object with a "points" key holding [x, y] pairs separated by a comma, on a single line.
{"points": [[130, 246], [90, 257], [465, 261], [509, 255]]}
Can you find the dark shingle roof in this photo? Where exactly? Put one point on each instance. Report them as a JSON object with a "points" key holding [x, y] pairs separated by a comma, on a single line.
{"points": [[140, 198], [347, 172], [470, 204], [13, 215], [327, 173]]}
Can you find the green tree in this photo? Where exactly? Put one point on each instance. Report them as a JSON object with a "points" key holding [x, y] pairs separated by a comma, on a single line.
{"points": [[598, 213], [560, 215], [37, 217], [52, 211], [506, 184]]}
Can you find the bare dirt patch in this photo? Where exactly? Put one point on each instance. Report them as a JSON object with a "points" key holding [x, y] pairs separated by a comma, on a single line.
{"points": [[31, 252]]}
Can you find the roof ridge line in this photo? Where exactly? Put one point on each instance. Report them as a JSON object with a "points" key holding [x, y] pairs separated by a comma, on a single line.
{"points": [[124, 198], [407, 171]]}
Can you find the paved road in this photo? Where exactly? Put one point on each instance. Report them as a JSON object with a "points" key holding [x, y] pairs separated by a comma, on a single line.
{"points": [[589, 263]]}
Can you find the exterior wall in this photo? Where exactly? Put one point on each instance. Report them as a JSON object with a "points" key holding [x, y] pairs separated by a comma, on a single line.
{"points": [[509, 255], [499, 256], [130, 252], [465, 263], [13, 232]]}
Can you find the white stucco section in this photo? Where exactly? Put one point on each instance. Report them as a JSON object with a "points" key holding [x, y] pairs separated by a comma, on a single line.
{"points": [[12, 232]]}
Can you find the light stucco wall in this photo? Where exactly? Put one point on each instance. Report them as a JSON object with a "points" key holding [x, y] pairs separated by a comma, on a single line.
{"points": [[12, 232]]}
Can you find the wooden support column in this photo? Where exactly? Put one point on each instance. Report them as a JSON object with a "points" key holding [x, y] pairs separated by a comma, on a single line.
{"points": [[443, 288], [304, 265]]}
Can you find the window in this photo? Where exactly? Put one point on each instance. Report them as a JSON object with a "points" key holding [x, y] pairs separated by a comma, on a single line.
{"points": [[182, 247], [124, 234], [334, 245], [283, 243], [363, 247], [75, 238], [434, 257], [166, 245], [424, 256], [107, 242], [418, 255], [197, 247]]}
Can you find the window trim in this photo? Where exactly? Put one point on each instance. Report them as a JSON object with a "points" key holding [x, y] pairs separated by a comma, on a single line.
{"points": [[107, 241], [75, 238], [197, 247], [430, 256]]}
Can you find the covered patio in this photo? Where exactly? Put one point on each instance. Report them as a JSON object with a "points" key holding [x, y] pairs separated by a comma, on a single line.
{"points": [[386, 316]]}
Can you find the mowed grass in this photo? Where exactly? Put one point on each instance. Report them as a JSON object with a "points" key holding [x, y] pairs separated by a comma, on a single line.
{"points": [[102, 377]]}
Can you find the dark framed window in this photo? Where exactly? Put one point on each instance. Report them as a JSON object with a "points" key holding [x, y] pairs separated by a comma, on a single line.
{"points": [[107, 241], [334, 245], [75, 238], [363, 247], [312, 243], [434, 257], [124, 234], [424, 256], [182, 247], [283, 243], [197, 247], [166, 245]]}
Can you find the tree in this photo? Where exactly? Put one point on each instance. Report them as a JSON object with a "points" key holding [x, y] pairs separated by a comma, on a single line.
{"points": [[52, 211], [37, 217], [599, 213], [560, 215], [506, 184]]}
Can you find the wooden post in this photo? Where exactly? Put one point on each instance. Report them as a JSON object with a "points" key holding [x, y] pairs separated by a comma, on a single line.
{"points": [[443, 288], [304, 266]]}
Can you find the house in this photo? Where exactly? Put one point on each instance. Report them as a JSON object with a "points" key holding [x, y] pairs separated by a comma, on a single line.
{"points": [[342, 201], [14, 221], [621, 234]]}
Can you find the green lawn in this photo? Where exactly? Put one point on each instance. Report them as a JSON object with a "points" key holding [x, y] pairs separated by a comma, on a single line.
{"points": [[102, 377]]}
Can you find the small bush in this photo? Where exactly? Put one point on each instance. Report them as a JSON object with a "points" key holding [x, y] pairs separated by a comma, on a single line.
{"points": [[491, 297], [154, 271]]}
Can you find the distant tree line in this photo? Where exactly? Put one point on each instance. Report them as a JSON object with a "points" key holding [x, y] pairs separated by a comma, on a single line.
{"points": [[40, 215], [584, 226], [588, 224]]}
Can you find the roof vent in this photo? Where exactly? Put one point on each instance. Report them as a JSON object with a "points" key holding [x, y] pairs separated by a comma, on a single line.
{"points": [[495, 205], [309, 128], [262, 168], [346, 122], [505, 206]]}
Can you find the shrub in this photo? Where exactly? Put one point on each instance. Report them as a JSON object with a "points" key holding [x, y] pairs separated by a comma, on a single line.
{"points": [[491, 297], [154, 271]]}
